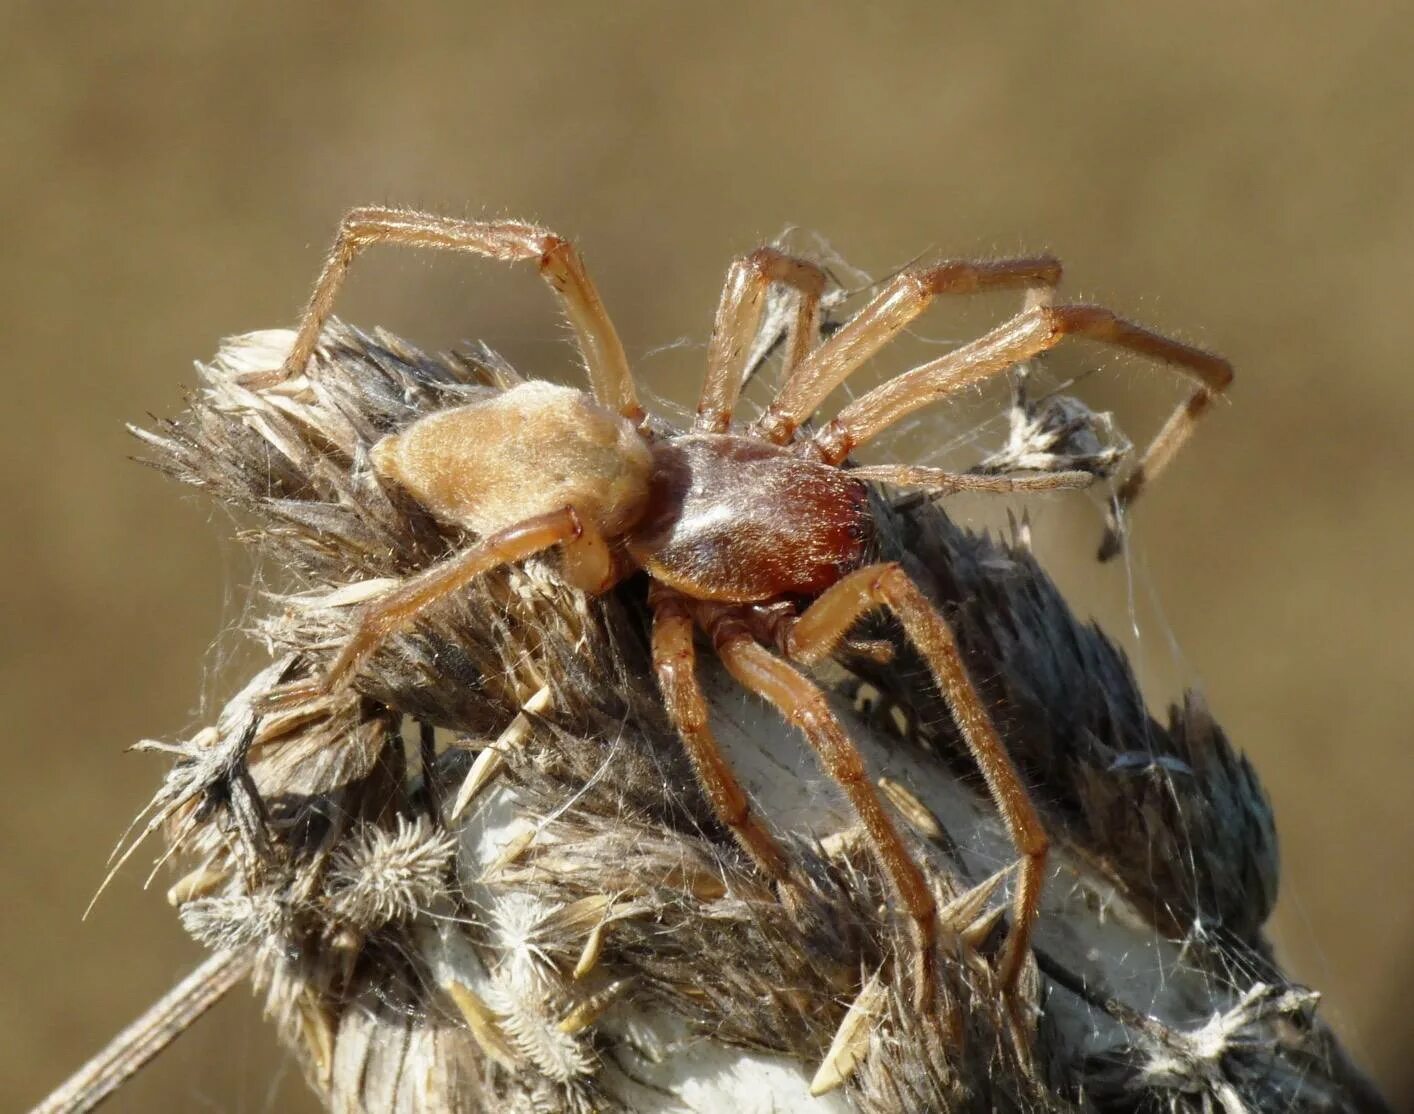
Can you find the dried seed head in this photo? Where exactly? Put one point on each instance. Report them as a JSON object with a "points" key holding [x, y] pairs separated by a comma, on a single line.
{"points": [[518, 933], [378, 876], [234, 920], [292, 811], [1056, 433]]}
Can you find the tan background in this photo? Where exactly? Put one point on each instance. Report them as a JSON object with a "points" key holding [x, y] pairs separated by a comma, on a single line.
{"points": [[172, 175]]}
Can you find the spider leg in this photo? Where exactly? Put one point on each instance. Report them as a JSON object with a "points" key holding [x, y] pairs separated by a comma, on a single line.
{"points": [[803, 704], [675, 662], [941, 482], [1155, 458], [589, 562], [822, 626], [739, 318], [400, 607], [504, 240], [1028, 334], [897, 304]]}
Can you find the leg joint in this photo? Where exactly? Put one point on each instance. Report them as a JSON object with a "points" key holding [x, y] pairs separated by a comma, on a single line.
{"points": [[833, 443], [952, 277], [890, 584], [674, 679], [817, 723], [357, 223], [777, 266], [1033, 842], [734, 810], [558, 261], [1088, 320], [888, 573], [761, 262], [555, 251], [923, 282], [775, 426]]}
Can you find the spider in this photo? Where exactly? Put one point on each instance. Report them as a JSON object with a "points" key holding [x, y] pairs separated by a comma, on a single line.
{"points": [[756, 535]]}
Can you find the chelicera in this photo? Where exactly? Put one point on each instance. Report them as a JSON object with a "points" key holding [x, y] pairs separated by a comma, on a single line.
{"points": [[755, 535]]}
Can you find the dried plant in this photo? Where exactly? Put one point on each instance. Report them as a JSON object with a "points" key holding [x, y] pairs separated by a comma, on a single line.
{"points": [[487, 880]]}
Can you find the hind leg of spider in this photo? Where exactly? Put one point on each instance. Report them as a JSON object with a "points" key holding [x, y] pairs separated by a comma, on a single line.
{"points": [[824, 624], [398, 609], [675, 662], [891, 311], [739, 318], [805, 706], [505, 240], [1028, 334]]}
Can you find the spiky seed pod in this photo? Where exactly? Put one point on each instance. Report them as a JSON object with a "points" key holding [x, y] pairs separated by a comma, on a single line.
{"points": [[378, 876]]}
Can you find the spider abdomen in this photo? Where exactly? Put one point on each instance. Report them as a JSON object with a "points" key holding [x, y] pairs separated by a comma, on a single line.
{"points": [[735, 519], [533, 449]]}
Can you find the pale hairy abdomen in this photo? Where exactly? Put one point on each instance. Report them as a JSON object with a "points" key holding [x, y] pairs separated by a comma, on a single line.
{"points": [[536, 448]]}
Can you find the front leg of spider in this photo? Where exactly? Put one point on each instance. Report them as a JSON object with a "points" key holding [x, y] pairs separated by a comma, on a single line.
{"points": [[400, 608]]}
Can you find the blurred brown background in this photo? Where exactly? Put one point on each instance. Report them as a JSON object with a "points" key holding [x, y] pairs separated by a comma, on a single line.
{"points": [[172, 175]]}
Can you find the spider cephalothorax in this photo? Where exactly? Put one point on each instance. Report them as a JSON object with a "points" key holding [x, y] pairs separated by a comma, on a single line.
{"points": [[749, 534]]}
